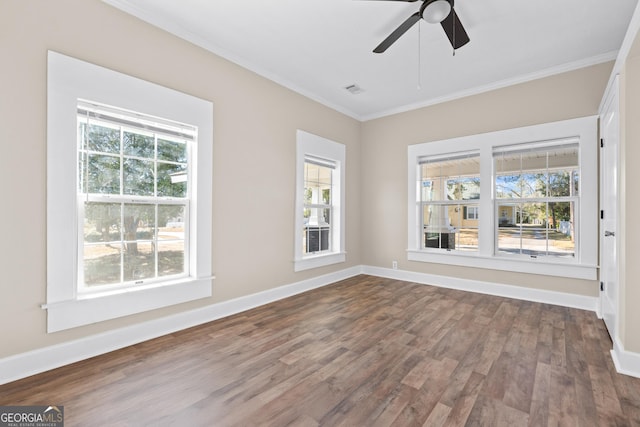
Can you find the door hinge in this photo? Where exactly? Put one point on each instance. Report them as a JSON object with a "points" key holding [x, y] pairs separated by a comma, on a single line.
{"points": [[601, 286], [601, 142], [601, 214]]}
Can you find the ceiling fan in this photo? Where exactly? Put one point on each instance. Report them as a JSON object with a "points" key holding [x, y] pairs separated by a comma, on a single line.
{"points": [[432, 11]]}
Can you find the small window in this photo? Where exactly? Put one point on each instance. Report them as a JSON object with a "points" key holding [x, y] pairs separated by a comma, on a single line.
{"points": [[320, 201], [470, 213], [318, 205]]}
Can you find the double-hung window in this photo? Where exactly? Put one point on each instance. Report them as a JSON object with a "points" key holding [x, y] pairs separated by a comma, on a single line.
{"points": [[129, 195], [449, 190], [512, 200], [318, 207], [537, 198], [134, 198], [320, 201]]}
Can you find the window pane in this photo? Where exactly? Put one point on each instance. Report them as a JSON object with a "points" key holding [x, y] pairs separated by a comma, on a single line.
{"points": [[102, 222], [317, 184], [318, 216], [508, 186], [467, 239], [526, 239], [104, 139], [171, 244], [82, 172], [316, 238], [139, 256], [537, 229], [463, 188], [316, 235], [138, 145], [561, 233], [172, 180], [139, 261], [560, 184], [138, 177], [170, 258], [545, 172], [451, 179], [172, 151], [438, 230], [171, 222], [104, 174], [101, 264], [139, 222]]}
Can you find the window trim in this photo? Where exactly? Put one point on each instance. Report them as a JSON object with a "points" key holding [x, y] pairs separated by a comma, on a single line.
{"points": [[310, 145], [68, 80], [584, 266]]}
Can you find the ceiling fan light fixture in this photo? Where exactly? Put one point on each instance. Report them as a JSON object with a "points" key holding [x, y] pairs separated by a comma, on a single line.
{"points": [[436, 11]]}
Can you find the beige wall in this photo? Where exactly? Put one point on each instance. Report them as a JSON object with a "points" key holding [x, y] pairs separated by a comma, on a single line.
{"points": [[384, 162], [254, 152], [629, 227], [255, 122]]}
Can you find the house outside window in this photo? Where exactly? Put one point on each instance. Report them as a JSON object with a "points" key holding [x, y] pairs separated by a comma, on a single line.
{"points": [[320, 201], [531, 200], [470, 213]]}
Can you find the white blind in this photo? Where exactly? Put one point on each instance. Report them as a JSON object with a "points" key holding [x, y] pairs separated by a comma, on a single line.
{"points": [[448, 157], [320, 161], [529, 147], [121, 117]]}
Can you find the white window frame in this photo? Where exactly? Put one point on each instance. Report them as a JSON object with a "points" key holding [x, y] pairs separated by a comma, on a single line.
{"points": [[583, 266], [310, 145], [124, 121], [69, 80]]}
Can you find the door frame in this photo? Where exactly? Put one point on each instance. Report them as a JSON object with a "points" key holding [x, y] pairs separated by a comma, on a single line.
{"points": [[610, 105]]}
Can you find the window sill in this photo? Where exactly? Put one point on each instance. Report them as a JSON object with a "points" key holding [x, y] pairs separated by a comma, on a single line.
{"points": [[316, 261], [95, 308], [540, 266]]}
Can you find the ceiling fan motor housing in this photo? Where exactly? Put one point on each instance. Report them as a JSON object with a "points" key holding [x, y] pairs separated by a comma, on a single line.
{"points": [[435, 11]]}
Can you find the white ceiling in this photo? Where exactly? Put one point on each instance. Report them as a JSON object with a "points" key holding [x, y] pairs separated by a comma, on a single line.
{"points": [[318, 47]]}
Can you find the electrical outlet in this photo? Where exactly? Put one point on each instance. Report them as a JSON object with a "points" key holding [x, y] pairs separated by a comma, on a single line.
{"points": [[394, 265]]}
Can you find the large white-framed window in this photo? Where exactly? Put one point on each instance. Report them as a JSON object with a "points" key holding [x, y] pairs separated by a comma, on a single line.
{"points": [[320, 200], [129, 193], [537, 205]]}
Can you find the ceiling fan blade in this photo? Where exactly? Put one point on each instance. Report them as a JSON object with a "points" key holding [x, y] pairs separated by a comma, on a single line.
{"points": [[391, 39], [461, 37]]}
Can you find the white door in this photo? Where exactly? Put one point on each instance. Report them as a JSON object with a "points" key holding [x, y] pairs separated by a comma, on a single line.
{"points": [[609, 132]]}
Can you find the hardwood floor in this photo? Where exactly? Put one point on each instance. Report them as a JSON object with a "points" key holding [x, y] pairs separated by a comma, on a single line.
{"points": [[362, 352]]}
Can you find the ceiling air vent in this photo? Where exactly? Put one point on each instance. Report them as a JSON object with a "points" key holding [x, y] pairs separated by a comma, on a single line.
{"points": [[354, 89]]}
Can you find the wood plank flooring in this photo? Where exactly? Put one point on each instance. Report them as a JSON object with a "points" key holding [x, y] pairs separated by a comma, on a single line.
{"points": [[362, 352]]}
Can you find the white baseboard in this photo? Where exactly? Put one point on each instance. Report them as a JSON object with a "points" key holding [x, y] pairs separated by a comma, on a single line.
{"points": [[508, 291], [37, 361], [22, 365], [626, 362]]}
